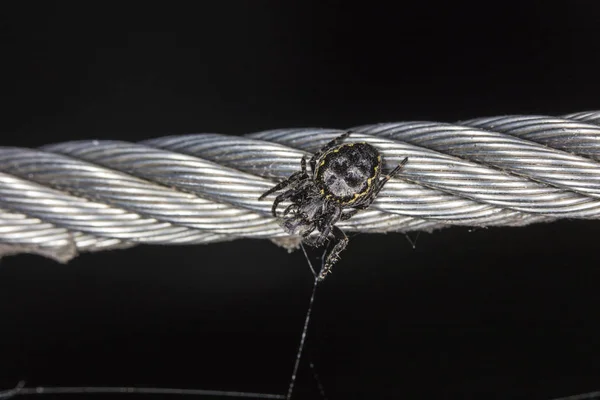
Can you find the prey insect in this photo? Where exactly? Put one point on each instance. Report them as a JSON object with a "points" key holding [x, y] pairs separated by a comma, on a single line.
{"points": [[344, 178]]}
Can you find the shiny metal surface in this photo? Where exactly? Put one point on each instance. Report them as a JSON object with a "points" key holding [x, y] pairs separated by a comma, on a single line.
{"points": [[92, 195]]}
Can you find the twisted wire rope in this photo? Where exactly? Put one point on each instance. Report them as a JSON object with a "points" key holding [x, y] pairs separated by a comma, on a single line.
{"points": [[89, 195]]}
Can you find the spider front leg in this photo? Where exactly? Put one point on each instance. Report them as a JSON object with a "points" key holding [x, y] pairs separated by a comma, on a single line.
{"points": [[333, 143], [295, 177], [289, 194], [282, 197], [333, 256]]}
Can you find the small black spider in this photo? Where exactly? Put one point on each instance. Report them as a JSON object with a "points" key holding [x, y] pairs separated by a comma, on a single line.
{"points": [[344, 179]]}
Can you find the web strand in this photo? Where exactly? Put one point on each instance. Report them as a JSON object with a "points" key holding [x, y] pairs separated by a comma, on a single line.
{"points": [[302, 341], [306, 322]]}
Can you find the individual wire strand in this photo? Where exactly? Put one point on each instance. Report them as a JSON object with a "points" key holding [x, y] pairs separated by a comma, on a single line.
{"points": [[582, 396], [70, 197], [21, 390]]}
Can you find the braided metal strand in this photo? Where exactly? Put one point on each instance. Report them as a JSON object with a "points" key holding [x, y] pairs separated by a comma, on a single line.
{"points": [[88, 195]]}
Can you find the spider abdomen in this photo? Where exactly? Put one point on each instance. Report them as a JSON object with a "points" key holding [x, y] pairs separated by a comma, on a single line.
{"points": [[347, 173]]}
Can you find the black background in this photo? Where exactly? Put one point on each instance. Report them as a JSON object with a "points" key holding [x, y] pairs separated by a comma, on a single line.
{"points": [[490, 313]]}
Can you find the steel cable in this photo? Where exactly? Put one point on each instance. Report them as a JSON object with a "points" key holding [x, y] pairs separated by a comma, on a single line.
{"points": [[89, 195]]}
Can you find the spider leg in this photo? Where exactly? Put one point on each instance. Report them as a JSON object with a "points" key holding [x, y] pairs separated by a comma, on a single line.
{"points": [[330, 214], [289, 208], [367, 201], [282, 197], [303, 165], [288, 194], [333, 256], [325, 225], [333, 143], [386, 178], [308, 231], [311, 240], [349, 214], [289, 181]]}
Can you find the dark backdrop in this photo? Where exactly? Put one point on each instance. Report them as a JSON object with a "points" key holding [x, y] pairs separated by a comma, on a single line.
{"points": [[490, 313]]}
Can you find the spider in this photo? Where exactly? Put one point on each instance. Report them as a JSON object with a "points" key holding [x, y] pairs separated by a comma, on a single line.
{"points": [[344, 178]]}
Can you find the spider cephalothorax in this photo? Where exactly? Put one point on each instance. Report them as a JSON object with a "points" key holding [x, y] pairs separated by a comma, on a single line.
{"points": [[344, 178]]}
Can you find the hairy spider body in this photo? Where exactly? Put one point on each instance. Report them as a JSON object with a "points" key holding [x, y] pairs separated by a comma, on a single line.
{"points": [[344, 178]]}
